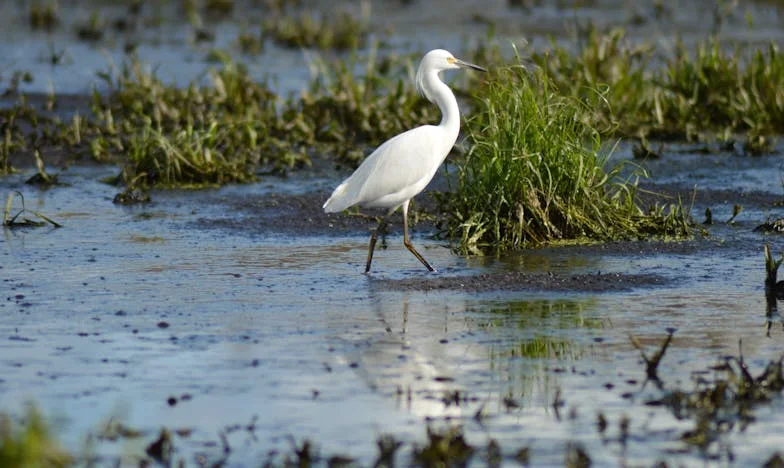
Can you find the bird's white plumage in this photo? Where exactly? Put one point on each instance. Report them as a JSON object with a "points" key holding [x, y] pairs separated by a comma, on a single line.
{"points": [[395, 172], [403, 165]]}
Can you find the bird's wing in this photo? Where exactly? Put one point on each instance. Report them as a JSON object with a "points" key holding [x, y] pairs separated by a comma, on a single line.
{"points": [[400, 162]]}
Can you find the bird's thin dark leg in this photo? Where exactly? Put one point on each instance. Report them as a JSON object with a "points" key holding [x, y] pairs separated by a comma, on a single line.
{"points": [[408, 243], [381, 223]]}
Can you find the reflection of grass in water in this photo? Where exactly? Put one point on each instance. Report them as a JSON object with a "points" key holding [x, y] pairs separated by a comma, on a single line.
{"points": [[544, 320], [559, 314], [542, 347], [542, 314]]}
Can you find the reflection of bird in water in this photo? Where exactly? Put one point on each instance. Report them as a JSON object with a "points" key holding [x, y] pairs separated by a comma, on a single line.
{"points": [[771, 225], [390, 363], [403, 166]]}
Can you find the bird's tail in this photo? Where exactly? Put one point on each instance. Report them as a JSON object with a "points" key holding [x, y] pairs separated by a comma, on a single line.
{"points": [[338, 201]]}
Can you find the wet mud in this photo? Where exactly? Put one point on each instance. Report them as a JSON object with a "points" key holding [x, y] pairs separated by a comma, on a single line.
{"points": [[240, 319], [522, 281], [246, 306]]}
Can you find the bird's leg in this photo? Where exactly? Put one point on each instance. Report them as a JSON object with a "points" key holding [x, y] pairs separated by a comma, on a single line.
{"points": [[381, 223], [408, 243]]}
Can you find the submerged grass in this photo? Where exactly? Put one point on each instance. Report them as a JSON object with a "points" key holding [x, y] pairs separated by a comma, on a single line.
{"points": [[537, 173], [16, 219]]}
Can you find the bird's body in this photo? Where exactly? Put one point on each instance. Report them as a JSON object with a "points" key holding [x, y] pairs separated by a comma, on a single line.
{"points": [[402, 166], [385, 178]]}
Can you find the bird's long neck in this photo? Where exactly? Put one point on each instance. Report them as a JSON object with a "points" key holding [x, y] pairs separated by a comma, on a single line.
{"points": [[443, 97]]}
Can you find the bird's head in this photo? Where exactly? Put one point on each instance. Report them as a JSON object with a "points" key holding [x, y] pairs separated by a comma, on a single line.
{"points": [[438, 60]]}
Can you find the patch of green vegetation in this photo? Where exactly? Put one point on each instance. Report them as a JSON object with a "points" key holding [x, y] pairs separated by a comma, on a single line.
{"points": [[16, 219], [232, 128], [536, 173], [12, 139], [227, 128], [249, 43], [219, 7], [91, 30], [447, 448], [343, 32], [714, 92], [605, 70], [44, 15], [42, 178], [191, 136], [29, 443], [345, 113]]}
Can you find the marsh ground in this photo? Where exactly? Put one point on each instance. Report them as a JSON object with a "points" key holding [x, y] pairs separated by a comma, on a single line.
{"points": [[243, 311]]}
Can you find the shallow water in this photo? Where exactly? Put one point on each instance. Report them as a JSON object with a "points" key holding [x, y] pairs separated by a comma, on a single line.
{"points": [[123, 308], [164, 39]]}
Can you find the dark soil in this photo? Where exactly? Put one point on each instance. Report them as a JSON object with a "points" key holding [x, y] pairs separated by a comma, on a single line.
{"points": [[516, 280], [302, 215], [296, 215], [669, 193]]}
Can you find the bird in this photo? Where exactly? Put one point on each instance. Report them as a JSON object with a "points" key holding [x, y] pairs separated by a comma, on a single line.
{"points": [[401, 167]]}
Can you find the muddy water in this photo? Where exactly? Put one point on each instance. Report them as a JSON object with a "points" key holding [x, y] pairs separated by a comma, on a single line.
{"points": [[125, 308], [163, 37], [197, 312]]}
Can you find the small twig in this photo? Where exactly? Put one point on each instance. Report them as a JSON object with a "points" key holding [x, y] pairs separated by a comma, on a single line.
{"points": [[652, 363]]}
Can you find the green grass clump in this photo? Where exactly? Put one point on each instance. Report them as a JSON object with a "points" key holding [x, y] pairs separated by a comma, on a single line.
{"points": [[212, 134], [346, 113], [536, 173], [343, 32], [717, 90], [93, 29], [604, 65], [30, 443], [714, 92], [44, 16]]}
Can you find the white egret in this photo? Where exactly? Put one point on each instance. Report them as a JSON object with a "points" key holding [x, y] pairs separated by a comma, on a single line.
{"points": [[403, 165]]}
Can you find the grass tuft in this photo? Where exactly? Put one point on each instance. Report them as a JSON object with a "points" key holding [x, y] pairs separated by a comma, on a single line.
{"points": [[346, 113], [29, 443], [14, 220], [712, 92], [43, 16], [537, 173], [193, 136], [342, 32]]}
